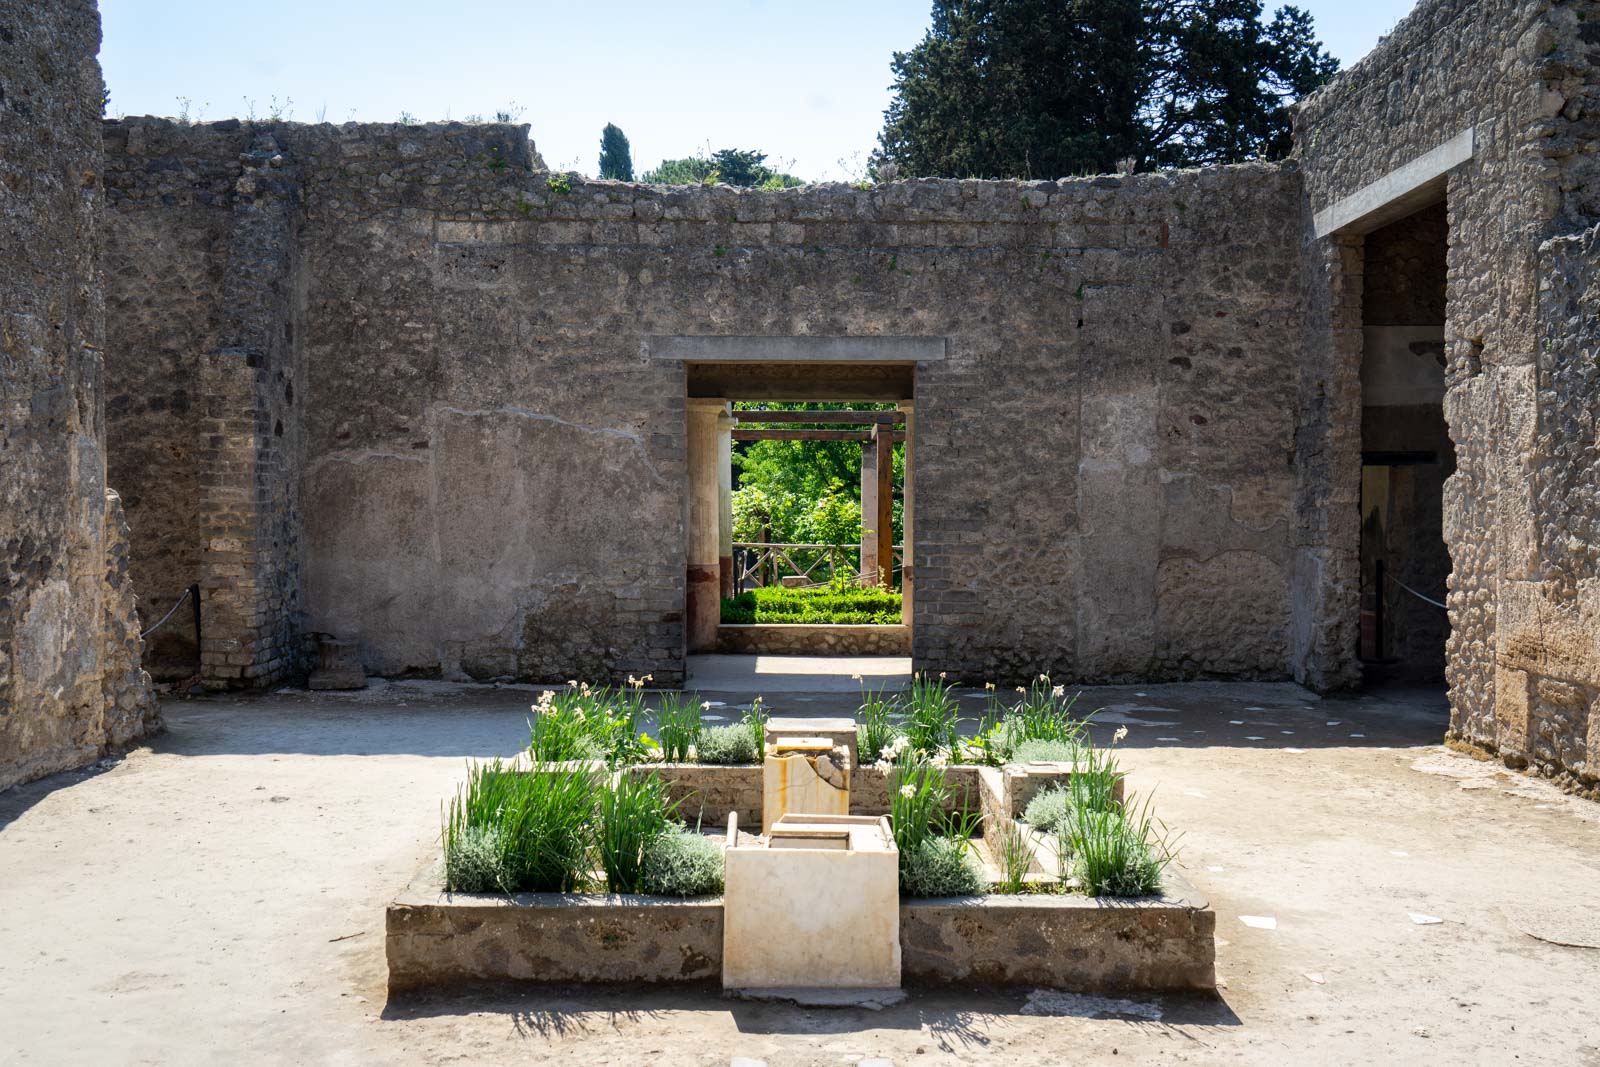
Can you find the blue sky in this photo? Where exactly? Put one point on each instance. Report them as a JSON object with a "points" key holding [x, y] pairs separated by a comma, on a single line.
{"points": [[805, 82]]}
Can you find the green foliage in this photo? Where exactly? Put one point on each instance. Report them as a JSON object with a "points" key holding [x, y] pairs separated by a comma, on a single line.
{"points": [[541, 820], [678, 723], [580, 722], [819, 605], [726, 745], [1045, 751], [804, 492], [1043, 712], [681, 863], [940, 866], [616, 160], [633, 813], [730, 166], [1048, 809], [875, 727], [755, 720], [1051, 88], [559, 184], [930, 717], [1016, 858], [1117, 853], [473, 860]]}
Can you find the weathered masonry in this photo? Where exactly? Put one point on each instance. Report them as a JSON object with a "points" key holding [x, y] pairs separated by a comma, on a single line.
{"points": [[402, 385], [70, 683]]}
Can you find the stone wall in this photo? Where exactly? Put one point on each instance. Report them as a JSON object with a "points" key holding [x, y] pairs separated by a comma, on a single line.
{"points": [[491, 466], [70, 684], [1519, 72]]}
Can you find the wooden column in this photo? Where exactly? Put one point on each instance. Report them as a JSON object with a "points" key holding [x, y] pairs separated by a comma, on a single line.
{"points": [[907, 500]]}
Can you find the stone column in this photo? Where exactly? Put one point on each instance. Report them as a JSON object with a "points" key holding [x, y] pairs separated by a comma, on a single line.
{"points": [[906, 509], [703, 607], [869, 512], [725, 425]]}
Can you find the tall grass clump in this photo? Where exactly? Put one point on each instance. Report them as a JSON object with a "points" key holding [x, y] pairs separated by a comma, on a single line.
{"points": [[682, 863], [1117, 853], [1042, 713], [755, 720], [930, 717], [530, 828], [1016, 859], [875, 725], [633, 813], [678, 723], [582, 723], [935, 848]]}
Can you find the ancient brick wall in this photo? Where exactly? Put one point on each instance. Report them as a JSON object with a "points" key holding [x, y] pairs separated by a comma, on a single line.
{"points": [[493, 467], [70, 684], [1520, 74]]}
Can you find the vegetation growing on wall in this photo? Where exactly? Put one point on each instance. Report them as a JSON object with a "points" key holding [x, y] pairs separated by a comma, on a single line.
{"points": [[746, 168]]}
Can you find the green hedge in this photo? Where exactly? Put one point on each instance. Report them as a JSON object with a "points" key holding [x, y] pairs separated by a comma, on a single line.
{"points": [[822, 605]]}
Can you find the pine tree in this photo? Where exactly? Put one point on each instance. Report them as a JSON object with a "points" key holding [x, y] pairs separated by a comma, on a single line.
{"points": [[616, 161], [1053, 88]]}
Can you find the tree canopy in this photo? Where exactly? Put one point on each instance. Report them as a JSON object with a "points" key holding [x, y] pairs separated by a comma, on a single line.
{"points": [[806, 492], [1053, 88], [731, 166], [616, 160]]}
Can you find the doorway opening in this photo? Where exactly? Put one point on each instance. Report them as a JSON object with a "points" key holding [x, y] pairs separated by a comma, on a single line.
{"points": [[800, 505], [1406, 451]]}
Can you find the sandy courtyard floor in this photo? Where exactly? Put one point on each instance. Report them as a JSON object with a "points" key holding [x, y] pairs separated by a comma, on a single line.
{"points": [[218, 897]]}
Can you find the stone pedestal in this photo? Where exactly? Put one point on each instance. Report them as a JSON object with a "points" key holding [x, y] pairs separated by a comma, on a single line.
{"points": [[816, 906], [338, 666], [804, 776]]}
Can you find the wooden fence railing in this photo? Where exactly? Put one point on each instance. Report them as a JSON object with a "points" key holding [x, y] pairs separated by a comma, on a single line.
{"points": [[758, 563]]}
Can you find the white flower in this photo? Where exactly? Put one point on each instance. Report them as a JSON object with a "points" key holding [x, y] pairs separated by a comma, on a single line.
{"points": [[1122, 731], [706, 706], [941, 674], [1059, 691], [1021, 690], [1044, 677], [855, 677], [572, 683], [908, 791], [989, 686], [546, 697]]}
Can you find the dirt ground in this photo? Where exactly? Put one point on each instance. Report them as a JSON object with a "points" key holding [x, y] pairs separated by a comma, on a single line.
{"points": [[219, 895]]}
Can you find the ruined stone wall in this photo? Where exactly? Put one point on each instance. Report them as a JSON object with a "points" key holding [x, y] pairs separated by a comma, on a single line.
{"points": [[492, 482], [1520, 73], [70, 683]]}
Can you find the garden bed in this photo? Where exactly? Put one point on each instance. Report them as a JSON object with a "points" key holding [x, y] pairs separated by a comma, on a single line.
{"points": [[439, 940]]}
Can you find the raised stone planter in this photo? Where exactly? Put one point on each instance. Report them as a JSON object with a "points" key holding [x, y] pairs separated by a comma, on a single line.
{"points": [[777, 639], [1075, 943], [438, 940]]}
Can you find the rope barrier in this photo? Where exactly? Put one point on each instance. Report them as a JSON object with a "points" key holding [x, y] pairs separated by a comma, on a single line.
{"points": [[186, 594], [1413, 592]]}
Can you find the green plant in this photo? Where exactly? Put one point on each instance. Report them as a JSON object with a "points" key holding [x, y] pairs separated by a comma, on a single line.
{"points": [[930, 716], [542, 817], [726, 745], [473, 860], [559, 184], [940, 866], [580, 722], [1093, 785], [678, 723], [875, 727], [682, 863], [829, 604], [1015, 857], [1045, 750], [755, 720], [1117, 853], [1048, 809], [633, 813]]}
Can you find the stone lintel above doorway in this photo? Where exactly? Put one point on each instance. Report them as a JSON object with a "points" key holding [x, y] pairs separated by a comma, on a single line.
{"points": [[795, 349]]}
